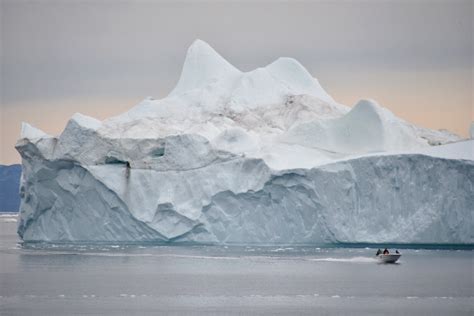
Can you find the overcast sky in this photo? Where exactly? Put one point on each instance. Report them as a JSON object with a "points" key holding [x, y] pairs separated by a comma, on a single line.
{"points": [[102, 57]]}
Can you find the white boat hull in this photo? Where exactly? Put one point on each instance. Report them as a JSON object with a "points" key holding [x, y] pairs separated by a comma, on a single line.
{"points": [[388, 258]]}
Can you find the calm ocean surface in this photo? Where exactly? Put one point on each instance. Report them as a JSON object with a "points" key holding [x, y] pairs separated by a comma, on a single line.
{"points": [[211, 280]]}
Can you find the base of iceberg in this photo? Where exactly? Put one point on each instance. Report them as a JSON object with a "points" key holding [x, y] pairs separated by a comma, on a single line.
{"points": [[398, 198]]}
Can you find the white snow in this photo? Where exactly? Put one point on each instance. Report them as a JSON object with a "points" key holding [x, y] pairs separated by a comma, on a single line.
{"points": [[208, 80], [203, 66], [459, 150], [366, 128], [86, 121], [30, 132], [265, 156]]}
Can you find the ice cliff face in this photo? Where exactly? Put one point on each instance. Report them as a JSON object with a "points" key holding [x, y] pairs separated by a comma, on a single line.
{"points": [[265, 156]]}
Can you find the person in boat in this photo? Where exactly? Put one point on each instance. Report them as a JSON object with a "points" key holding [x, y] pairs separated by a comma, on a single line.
{"points": [[386, 252], [378, 252], [396, 251]]}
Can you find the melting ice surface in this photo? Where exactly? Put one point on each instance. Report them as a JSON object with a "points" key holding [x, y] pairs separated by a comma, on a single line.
{"points": [[265, 156]]}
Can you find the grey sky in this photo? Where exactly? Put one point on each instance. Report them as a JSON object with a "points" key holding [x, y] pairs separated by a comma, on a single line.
{"points": [[70, 48], [53, 50]]}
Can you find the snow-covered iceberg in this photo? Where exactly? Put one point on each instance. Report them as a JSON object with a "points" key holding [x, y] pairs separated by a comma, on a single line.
{"points": [[265, 156]]}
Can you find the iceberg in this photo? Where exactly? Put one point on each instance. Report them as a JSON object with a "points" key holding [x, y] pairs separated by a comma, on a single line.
{"points": [[265, 156]]}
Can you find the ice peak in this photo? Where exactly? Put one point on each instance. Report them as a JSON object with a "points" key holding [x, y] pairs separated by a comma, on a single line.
{"points": [[31, 132], [200, 45], [298, 78], [202, 66], [367, 102], [288, 63], [367, 105], [86, 121], [370, 108]]}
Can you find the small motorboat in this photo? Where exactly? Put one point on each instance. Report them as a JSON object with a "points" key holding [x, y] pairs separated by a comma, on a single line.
{"points": [[389, 258]]}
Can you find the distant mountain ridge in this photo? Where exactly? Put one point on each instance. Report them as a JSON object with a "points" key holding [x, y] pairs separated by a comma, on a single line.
{"points": [[10, 188]]}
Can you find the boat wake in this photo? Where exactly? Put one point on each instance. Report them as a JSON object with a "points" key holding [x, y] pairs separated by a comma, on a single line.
{"points": [[349, 260]]}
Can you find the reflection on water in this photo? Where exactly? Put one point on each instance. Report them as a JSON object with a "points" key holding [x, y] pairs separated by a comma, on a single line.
{"points": [[49, 279]]}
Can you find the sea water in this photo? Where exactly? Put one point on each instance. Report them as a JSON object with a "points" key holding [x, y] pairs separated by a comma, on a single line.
{"points": [[118, 279]]}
